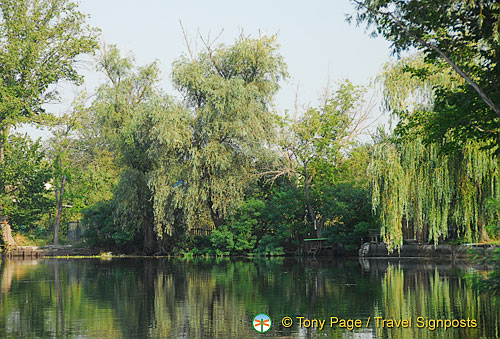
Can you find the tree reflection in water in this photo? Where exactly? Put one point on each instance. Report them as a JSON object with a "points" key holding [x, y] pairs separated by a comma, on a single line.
{"points": [[160, 298]]}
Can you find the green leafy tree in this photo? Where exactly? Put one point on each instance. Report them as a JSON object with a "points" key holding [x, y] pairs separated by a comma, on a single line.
{"points": [[40, 43], [123, 110], [464, 36], [434, 192], [83, 169], [418, 187], [69, 160], [23, 174], [314, 147], [101, 230], [208, 152], [61, 151]]}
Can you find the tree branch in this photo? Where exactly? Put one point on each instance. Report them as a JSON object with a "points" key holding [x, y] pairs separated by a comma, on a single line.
{"points": [[424, 43]]}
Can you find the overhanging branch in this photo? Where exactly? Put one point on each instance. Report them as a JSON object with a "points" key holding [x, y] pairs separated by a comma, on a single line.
{"points": [[433, 47]]}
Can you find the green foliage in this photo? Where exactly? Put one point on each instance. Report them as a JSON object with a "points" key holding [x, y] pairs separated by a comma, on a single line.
{"points": [[286, 216], [276, 222], [94, 177], [353, 168], [362, 230], [132, 203], [23, 175], [493, 228], [265, 224], [41, 41], [99, 225], [425, 98], [420, 180], [123, 113], [270, 245], [434, 190], [122, 102], [348, 214], [409, 84], [102, 230], [222, 241], [83, 171], [455, 36], [213, 145], [441, 22], [325, 132], [315, 146], [237, 235], [181, 164], [145, 168]]}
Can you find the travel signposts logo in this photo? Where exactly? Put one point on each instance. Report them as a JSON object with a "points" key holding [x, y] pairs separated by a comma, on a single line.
{"points": [[262, 323]]}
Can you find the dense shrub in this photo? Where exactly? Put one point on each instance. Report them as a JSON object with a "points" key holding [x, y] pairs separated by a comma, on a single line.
{"points": [[101, 230]]}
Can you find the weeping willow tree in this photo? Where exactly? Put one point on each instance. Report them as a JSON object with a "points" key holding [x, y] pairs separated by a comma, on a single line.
{"points": [[415, 182], [208, 152], [122, 113]]}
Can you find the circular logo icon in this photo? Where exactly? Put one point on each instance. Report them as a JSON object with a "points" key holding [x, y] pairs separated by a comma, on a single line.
{"points": [[262, 323]]}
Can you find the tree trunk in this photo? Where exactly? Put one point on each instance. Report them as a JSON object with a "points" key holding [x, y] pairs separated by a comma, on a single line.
{"points": [[7, 238], [150, 244], [483, 235], [310, 209], [4, 135], [213, 213], [215, 218], [6, 234], [319, 226], [59, 207], [150, 241]]}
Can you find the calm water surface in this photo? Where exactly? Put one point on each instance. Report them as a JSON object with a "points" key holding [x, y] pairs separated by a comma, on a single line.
{"points": [[162, 298]]}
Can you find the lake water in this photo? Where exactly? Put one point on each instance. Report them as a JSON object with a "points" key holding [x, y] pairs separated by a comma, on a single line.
{"points": [[171, 298]]}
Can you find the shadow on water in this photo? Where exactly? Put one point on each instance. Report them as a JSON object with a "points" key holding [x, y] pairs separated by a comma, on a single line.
{"points": [[160, 298]]}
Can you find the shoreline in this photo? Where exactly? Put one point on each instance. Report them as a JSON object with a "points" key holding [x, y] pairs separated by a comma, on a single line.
{"points": [[370, 251]]}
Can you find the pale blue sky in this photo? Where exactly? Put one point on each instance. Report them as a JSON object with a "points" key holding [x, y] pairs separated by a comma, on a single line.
{"points": [[315, 39]]}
